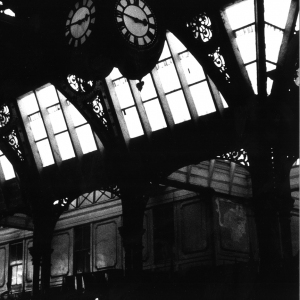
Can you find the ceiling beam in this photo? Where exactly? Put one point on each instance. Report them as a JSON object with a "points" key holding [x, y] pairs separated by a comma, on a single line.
{"points": [[260, 49]]}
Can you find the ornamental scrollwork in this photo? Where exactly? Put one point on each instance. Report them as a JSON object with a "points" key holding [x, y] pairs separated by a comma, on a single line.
{"points": [[99, 111], [80, 85], [14, 143], [240, 157], [4, 115], [219, 61], [201, 27], [61, 202]]}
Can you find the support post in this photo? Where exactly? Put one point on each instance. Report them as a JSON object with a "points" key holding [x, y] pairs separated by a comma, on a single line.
{"points": [[134, 200]]}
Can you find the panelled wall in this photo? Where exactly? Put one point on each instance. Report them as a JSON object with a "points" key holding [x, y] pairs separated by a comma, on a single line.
{"points": [[184, 229]]}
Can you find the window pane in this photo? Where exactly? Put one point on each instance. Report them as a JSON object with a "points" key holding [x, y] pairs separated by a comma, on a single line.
{"points": [[245, 39], [30, 104], [192, 69], [65, 146], [273, 38], [148, 90], [269, 80], [155, 115], [86, 138], [47, 95], [19, 274], [45, 152], [251, 69], [76, 116], [225, 105], [14, 270], [7, 168], [38, 128], [178, 107], [57, 119], [202, 98], [165, 53], [276, 12], [133, 122], [115, 73], [241, 14], [123, 92], [168, 75], [176, 44]]}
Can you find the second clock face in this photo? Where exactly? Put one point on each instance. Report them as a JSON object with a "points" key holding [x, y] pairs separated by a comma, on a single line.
{"points": [[80, 21], [136, 22]]}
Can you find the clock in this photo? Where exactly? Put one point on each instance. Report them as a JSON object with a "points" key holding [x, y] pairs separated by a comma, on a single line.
{"points": [[136, 22], [80, 22]]}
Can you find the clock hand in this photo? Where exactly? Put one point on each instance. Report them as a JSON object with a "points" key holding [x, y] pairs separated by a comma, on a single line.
{"points": [[137, 20], [79, 22]]}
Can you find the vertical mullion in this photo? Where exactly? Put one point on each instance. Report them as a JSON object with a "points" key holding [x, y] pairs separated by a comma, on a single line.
{"points": [[182, 79], [215, 95], [260, 49], [162, 99], [287, 35], [70, 126], [237, 53], [140, 109], [49, 131], [118, 110], [26, 122]]}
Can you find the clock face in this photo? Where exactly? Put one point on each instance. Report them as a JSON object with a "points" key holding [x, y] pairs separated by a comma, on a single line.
{"points": [[80, 22], [136, 22]]}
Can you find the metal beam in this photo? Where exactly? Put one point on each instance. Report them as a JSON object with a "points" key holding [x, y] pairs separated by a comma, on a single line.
{"points": [[17, 222], [260, 49]]}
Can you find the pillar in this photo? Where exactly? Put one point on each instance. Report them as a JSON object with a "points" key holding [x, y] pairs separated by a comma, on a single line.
{"points": [[134, 200]]}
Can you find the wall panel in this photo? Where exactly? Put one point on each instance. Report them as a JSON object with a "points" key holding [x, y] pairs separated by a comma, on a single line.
{"points": [[3, 265], [28, 257], [105, 245], [61, 254], [193, 227]]}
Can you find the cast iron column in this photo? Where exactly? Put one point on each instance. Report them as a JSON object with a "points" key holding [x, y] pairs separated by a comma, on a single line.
{"points": [[134, 200]]}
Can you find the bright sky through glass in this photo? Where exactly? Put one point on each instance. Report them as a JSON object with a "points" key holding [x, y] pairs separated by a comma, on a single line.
{"points": [[245, 39], [86, 138], [133, 122], [168, 75], [241, 14], [155, 115], [178, 107], [202, 98], [192, 69], [7, 167], [64, 145], [45, 152], [276, 12], [273, 39]]}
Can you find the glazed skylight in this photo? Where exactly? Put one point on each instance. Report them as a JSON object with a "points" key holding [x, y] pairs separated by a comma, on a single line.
{"points": [[6, 168], [173, 88], [56, 130], [242, 21]]}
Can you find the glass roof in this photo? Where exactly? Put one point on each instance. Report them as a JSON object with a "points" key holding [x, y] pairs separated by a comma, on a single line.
{"points": [[165, 93], [54, 136], [170, 92], [242, 21]]}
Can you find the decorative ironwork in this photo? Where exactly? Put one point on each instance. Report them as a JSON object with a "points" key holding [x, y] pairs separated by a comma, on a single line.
{"points": [[95, 197], [4, 115], [219, 61], [14, 143], [240, 157], [201, 27], [80, 85], [61, 202], [99, 111]]}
